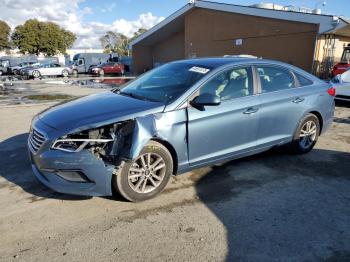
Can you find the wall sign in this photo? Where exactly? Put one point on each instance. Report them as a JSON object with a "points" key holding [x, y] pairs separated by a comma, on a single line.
{"points": [[239, 41]]}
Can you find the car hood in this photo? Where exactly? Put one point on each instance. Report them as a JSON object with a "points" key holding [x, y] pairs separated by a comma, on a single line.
{"points": [[97, 110]]}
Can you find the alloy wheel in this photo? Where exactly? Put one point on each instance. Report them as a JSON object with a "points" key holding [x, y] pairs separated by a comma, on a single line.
{"points": [[36, 73], [65, 73], [146, 173], [308, 133]]}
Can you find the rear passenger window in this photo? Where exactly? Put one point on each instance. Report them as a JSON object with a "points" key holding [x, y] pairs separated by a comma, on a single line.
{"points": [[303, 81], [275, 79]]}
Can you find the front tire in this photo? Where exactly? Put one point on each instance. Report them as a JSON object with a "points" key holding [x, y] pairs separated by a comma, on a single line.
{"points": [[65, 73], [147, 175], [36, 74], [306, 135]]}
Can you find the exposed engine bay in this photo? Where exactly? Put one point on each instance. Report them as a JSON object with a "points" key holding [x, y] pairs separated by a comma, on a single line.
{"points": [[106, 143]]}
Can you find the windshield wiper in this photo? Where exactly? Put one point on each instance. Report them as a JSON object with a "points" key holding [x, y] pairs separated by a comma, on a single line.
{"points": [[132, 95]]}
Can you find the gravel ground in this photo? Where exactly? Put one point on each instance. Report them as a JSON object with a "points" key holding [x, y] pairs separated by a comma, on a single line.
{"points": [[269, 207]]}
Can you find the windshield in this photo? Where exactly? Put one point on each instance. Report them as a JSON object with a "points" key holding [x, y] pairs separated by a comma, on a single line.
{"points": [[165, 83]]}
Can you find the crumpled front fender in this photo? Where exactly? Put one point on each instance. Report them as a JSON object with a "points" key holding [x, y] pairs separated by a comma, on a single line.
{"points": [[169, 127]]}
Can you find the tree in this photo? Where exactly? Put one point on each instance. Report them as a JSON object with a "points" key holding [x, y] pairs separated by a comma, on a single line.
{"points": [[5, 31], [138, 33], [35, 37], [118, 43], [115, 43]]}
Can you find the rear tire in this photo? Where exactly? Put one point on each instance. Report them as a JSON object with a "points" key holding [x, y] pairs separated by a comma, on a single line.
{"points": [[147, 175], [65, 73], [306, 135]]}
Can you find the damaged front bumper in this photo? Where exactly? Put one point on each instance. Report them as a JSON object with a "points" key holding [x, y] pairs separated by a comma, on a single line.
{"points": [[79, 173]]}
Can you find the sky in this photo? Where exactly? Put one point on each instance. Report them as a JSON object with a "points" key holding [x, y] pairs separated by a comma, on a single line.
{"points": [[90, 19]]}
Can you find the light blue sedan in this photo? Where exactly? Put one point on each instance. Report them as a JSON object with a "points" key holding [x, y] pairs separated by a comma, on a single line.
{"points": [[180, 116]]}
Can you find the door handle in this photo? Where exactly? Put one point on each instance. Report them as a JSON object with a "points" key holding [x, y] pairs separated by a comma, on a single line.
{"points": [[298, 100], [251, 110]]}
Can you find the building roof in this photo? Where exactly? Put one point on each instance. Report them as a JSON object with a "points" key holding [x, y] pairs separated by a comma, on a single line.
{"points": [[175, 22]]}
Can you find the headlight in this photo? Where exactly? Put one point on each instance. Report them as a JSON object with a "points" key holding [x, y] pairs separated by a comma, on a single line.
{"points": [[89, 139]]}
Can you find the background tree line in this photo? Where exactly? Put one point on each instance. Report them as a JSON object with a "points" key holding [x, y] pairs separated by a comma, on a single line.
{"points": [[35, 37], [113, 42]]}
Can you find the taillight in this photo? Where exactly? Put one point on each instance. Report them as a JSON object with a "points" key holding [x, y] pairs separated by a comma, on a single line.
{"points": [[331, 91]]}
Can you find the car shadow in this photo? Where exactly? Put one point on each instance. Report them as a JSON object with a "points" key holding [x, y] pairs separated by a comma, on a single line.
{"points": [[341, 120], [16, 170], [281, 207], [342, 103]]}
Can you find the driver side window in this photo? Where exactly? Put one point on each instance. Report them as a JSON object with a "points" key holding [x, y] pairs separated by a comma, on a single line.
{"points": [[230, 84]]}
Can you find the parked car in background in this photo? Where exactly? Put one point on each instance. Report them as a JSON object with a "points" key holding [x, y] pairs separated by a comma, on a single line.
{"points": [[13, 64], [90, 69], [177, 117], [16, 69], [48, 70], [344, 63], [24, 69], [341, 82], [109, 68], [11, 61]]}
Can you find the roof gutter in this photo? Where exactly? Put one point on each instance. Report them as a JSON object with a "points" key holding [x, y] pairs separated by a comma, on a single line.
{"points": [[326, 23]]}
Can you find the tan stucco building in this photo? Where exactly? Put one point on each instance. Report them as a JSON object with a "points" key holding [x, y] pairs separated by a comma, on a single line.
{"points": [[200, 29]]}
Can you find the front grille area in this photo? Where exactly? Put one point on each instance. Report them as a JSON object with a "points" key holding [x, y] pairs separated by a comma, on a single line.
{"points": [[35, 141]]}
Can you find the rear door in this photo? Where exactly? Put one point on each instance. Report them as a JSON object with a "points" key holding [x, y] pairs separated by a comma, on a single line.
{"points": [[218, 132], [283, 102], [57, 69], [53, 69]]}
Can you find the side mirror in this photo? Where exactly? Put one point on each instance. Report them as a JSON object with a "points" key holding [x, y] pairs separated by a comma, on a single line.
{"points": [[206, 99]]}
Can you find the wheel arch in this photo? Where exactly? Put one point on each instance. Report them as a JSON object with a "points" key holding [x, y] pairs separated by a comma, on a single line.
{"points": [[319, 117], [171, 150]]}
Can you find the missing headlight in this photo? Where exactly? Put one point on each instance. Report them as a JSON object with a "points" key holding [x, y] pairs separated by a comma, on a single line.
{"points": [[87, 139], [76, 145], [106, 142]]}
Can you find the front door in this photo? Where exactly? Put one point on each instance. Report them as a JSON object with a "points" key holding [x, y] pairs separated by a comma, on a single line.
{"points": [[81, 65], [219, 132]]}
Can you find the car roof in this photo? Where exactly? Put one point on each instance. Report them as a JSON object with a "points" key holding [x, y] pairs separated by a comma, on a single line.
{"points": [[214, 62]]}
